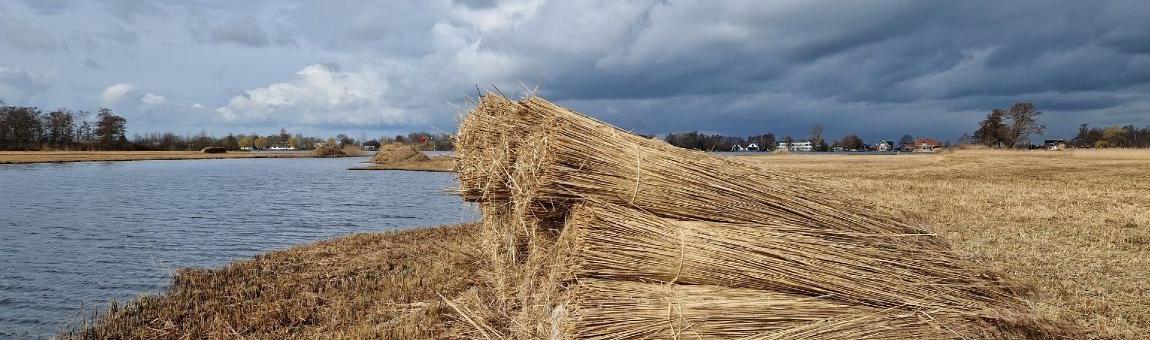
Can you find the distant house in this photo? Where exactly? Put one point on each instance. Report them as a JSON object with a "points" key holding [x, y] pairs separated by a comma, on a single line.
{"points": [[838, 149], [738, 147], [371, 145], [247, 148], [883, 146], [282, 148], [803, 146], [925, 145], [753, 147], [1054, 144]]}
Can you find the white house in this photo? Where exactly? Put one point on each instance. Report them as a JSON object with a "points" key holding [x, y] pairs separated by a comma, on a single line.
{"points": [[753, 147], [803, 146], [882, 146]]}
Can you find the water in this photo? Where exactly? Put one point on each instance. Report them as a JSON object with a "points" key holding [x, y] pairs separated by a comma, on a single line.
{"points": [[74, 236]]}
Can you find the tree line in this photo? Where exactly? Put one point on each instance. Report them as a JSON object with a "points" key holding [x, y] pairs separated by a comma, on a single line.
{"points": [[770, 142], [1112, 137], [26, 128], [1013, 127], [423, 140]]}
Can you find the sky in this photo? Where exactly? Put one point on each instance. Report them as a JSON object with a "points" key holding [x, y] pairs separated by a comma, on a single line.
{"points": [[879, 69]]}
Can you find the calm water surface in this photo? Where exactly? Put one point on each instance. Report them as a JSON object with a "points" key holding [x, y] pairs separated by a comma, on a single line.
{"points": [[74, 236]]}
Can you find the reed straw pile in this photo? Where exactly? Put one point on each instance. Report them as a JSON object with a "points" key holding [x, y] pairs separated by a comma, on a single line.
{"points": [[391, 153], [592, 232]]}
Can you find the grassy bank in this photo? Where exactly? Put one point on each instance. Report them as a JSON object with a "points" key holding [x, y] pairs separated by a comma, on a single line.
{"points": [[366, 286], [1073, 226], [22, 157]]}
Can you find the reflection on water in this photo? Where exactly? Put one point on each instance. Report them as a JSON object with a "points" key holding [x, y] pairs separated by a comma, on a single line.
{"points": [[74, 236]]}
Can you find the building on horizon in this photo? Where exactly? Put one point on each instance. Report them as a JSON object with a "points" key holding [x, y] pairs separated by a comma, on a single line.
{"points": [[798, 146]]}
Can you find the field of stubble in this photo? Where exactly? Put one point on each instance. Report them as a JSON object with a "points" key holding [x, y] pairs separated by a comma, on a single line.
{"points": [[1075, 225]]}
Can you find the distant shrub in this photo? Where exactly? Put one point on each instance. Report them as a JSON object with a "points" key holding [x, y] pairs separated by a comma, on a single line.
{"points": [[328, 151], [214, 149]]}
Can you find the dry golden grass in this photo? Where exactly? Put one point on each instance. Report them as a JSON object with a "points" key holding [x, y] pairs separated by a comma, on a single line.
{"points": [[1074, 225], [20, 157], [366, 286], [435, 164]]}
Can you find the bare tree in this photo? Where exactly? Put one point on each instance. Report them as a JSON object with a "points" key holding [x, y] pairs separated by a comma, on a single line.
{"points": [[852, 142], [816, 135], [1023, 119]]}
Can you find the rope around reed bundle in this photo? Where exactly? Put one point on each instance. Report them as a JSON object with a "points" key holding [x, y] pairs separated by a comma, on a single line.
{"points": [[596, 233]]}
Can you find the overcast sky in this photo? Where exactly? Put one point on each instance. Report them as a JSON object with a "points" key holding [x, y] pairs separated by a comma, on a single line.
{"points": [[876, 68]]}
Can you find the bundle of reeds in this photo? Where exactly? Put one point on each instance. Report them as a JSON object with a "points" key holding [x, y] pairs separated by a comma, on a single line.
{"points": [[880, 270], [634, 310], [398, 153], [589, 228]]}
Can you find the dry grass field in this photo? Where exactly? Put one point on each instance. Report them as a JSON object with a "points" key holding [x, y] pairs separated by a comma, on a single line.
{"points": [[1073, 225], [20, 157]]}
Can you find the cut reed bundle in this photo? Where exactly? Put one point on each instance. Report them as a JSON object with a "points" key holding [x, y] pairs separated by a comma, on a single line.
{"points": [[878, 270], [580, 216], [573, 156], [398, 153], [486, 144], [605, 309]]}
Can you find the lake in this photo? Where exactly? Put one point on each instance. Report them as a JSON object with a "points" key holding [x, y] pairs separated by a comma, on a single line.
{"points": [[74, 236]]}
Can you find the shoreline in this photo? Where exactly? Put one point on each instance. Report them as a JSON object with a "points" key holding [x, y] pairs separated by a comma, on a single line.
{"points": [[38, 157], [436, 164], [362, 279]]}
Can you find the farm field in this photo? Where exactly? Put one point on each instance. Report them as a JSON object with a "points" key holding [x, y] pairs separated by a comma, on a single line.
{"points": [[22, 157], [1072, 226]]}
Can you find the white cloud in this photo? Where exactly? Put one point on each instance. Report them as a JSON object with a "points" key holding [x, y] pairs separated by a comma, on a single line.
{"points": [[153, 99], [319, 96], [114, 93]]}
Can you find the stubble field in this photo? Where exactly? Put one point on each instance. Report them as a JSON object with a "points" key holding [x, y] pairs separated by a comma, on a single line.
{"points": [[1074, 225]]}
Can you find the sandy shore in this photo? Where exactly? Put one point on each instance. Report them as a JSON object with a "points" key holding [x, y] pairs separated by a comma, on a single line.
{"points": [[23, 157]]}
